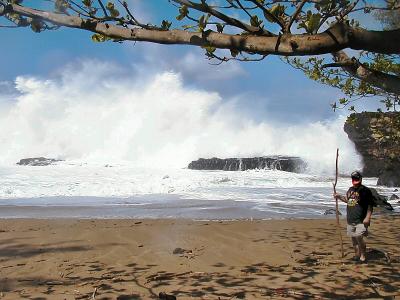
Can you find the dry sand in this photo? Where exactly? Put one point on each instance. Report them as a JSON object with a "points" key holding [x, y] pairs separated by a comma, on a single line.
{"points": [[132, 259]]}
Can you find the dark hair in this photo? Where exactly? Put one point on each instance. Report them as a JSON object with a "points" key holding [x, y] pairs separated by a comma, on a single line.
{"points": [[356, 175]]}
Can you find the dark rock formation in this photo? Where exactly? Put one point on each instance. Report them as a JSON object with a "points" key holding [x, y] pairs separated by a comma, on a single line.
{"points": [[37, 161], [376, 136], [331, 211], [283, 163], [394, 197], [390, 176], [380, 200]]}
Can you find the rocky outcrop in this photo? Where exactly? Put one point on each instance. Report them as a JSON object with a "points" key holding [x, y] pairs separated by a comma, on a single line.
{"points": [[37, 161], [283, 163], [376, 136], [380, 200]]}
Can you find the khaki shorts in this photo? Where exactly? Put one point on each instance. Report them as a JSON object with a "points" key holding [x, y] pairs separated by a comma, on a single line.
{"points": [[354, 230]]}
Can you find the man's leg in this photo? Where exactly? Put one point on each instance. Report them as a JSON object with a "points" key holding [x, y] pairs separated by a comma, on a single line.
{"points": [[355, 246], [362, 247]]}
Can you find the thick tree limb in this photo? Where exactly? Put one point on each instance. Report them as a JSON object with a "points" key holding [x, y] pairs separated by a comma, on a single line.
{"points": [[386, 82], [336, 38]]}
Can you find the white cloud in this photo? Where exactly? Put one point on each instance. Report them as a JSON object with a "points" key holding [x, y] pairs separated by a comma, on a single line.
{"points": [[191, 62], [195, 66]]}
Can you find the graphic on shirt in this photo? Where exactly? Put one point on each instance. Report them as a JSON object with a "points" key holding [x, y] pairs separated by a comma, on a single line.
{"points": [[353, 198]]}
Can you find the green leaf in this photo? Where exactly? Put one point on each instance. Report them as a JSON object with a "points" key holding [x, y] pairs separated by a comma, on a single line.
{"points": [[325, 5], [254, 21], [313, 22], [165, 25], [209, 50], [183, 12], [110, 6], [112, 10], [234, 52], [277, 10], [37, 25], [185, 27], [202, 23], [99, 38], [61, 6], [114, 13], [220, 27], [87, 3]]}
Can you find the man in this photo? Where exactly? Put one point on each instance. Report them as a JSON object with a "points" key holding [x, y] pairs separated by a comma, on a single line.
{"points": [[359, 211]]}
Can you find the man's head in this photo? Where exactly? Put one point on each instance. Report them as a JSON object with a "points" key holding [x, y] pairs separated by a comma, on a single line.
{"points": [[356, 178]]}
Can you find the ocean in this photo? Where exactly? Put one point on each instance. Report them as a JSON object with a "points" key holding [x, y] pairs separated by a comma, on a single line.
{"points": [[126, 142], [81, 190]]}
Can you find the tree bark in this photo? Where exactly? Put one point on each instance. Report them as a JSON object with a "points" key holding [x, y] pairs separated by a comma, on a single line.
{"points": [[386, 82], [334, 39]]}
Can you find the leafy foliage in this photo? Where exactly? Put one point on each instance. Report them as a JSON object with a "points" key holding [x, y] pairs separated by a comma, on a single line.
{"points": [[353, 88]]}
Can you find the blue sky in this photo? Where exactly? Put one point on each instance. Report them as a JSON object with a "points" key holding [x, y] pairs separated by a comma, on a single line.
{"points": [[268, 89]]}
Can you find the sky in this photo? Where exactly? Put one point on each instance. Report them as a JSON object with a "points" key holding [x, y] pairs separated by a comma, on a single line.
{"points": [[267, 89]]}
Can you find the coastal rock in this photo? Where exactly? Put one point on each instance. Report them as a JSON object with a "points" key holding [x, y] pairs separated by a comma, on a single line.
{"points": [[331, 211], [390, 177], [376, 136], [283, 163], [37, 161], [394, 197], [380, 200]]}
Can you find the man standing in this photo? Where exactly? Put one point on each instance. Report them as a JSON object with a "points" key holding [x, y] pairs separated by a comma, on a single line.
{"points": [[359, 211]]}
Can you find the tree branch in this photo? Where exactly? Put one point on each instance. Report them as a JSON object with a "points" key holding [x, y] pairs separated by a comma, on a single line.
{"points": [[103, 8], [295, 15], [386, 42], [336, 38], [229, 20], [267, 12], [386, 82]]}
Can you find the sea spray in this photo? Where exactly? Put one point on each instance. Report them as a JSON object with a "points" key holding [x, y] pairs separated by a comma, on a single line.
{"points": [[99, 114]]}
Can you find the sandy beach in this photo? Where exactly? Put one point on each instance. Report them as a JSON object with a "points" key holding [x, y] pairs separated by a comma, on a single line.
{"points": [[138, 259]]}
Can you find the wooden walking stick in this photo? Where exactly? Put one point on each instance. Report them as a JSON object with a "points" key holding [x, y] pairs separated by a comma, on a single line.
{"points": [[337, 205]]}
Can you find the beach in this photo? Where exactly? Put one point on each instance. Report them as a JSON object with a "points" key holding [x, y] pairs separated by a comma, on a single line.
{"points": [[242, 259]]}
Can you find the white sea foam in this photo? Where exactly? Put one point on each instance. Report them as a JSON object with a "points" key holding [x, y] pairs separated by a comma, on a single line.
{"points": [[89, 190], [122, 181], [100, 114]]}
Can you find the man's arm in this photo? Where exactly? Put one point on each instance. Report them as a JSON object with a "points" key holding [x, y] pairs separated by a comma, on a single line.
{"points": [[340, 197], [367, 219]]}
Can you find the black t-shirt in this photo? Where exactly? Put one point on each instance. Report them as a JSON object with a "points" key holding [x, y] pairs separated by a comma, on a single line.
{"points": [[358, 200]]}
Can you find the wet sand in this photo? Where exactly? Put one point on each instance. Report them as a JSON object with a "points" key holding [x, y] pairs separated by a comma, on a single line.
{"points": [[138, 259]]}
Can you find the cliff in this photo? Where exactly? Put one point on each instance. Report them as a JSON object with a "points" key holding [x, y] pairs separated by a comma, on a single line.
{"points": [[376, 136]]}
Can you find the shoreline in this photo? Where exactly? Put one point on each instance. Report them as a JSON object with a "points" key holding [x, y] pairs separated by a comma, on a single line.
{"points": [[202, 210], [193, 259]]}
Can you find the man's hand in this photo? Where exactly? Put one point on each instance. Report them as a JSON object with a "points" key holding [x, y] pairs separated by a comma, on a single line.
{"points": [[367, 222], [340, 197]]}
